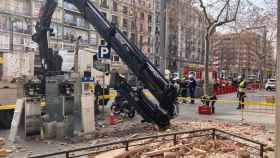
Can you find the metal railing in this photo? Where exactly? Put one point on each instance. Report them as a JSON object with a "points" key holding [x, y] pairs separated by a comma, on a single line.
{"points": [[125, 144]]}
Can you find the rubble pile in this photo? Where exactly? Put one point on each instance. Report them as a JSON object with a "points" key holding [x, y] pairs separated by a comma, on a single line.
{"points": [[242, 129], [198, 147], [3, 152], [203, 147]]}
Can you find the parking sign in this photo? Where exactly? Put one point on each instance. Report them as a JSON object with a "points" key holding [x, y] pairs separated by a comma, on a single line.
{"points": [[104, 52]]}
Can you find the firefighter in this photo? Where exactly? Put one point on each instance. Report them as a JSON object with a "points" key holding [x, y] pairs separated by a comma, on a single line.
{"points": [[241, 92]]}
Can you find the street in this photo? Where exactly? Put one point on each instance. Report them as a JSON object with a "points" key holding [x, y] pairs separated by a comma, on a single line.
{"points": [[225, 112], [228, 111], [7, 95]]}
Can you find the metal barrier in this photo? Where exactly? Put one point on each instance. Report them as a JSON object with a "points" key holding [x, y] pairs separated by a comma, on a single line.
{"points": [[213, 133]]}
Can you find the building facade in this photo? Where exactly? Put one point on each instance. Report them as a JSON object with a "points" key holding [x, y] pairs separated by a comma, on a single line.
{"points": [[185, 35], [242, 54], [18, 19], [134, 19]]}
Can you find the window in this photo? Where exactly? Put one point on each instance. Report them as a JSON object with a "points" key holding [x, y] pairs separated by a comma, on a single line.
{"points": [[125, 23], [125, 10], [149, 18], [115, 19], [125, 33], [133, 37], [57, 30], [133, 25], [81, 22], [22, 25], [69, 19], [149, 41], [102, 42], [104, 14], [142, 16], [116, 58], [115, 6], [104, 4], [150, 29], [141, 42], [4, 23], [141, 28], [93, 38], [70, 6]]}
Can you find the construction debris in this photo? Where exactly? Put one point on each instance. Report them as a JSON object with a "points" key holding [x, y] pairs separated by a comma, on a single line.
{"points": [[2, 141], [4, 152], [243, 154], [242, 129], [201, 147]]}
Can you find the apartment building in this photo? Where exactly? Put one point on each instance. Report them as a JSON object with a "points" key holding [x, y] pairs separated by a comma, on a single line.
{"points": [[242, 53], [134, 19], [17, 24], [18, 19], [185, 34]]}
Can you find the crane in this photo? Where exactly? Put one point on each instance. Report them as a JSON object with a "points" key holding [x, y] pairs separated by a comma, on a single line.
{"points": [[164, 92]]}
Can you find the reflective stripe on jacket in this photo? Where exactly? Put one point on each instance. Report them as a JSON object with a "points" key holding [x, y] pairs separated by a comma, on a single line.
{"points": [[242, 86]]}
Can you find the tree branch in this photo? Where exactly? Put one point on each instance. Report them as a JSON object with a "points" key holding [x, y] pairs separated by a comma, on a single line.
{"points": [[205, 12], [231, 20], [222, 10], [236, 11]]}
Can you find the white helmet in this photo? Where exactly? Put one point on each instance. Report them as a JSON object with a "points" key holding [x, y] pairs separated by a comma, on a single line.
{"points": [[239, 77], [191, 76]]}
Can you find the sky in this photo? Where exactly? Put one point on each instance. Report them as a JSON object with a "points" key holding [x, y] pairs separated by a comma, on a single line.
{"points": [[260, 3]]}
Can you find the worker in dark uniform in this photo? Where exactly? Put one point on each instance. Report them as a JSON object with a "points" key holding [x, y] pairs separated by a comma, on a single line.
{"points": [[184, 89], [97, 93], [192, 87], [241, 92], [57, 61]]}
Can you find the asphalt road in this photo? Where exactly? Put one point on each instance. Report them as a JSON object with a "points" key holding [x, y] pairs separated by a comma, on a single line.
{"points": [[7, 95], [224, 112], [228, 112]]}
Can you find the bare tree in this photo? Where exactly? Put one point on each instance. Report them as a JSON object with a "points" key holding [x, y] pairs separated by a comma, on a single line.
{"points": [[227, 13], [260, 20]]}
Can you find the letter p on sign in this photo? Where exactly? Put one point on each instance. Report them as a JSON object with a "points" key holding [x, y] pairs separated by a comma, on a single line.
{"points": [[104, 52]]}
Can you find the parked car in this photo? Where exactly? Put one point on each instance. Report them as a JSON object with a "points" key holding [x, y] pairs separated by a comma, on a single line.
{"points": [[270, 85]]}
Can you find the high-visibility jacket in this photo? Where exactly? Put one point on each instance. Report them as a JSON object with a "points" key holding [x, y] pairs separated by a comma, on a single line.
{"points": [[242, 86]]}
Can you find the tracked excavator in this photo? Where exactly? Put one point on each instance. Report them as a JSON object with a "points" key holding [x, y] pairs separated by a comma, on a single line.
{"points": [[165, 93]]}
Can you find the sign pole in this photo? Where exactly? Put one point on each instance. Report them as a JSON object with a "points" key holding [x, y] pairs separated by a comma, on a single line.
{"points": [[103, 98], [104, 53]]}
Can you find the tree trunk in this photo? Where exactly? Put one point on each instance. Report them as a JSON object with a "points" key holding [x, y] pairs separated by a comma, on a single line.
{"points": [[206, 65]]}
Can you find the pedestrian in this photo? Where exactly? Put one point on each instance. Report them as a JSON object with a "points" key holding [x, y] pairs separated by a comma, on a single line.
{"points": [[97, 93], [241, 92], [192, 87]]}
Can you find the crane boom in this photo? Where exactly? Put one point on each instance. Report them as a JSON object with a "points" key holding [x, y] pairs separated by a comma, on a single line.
{"points": [[130, 54]]}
